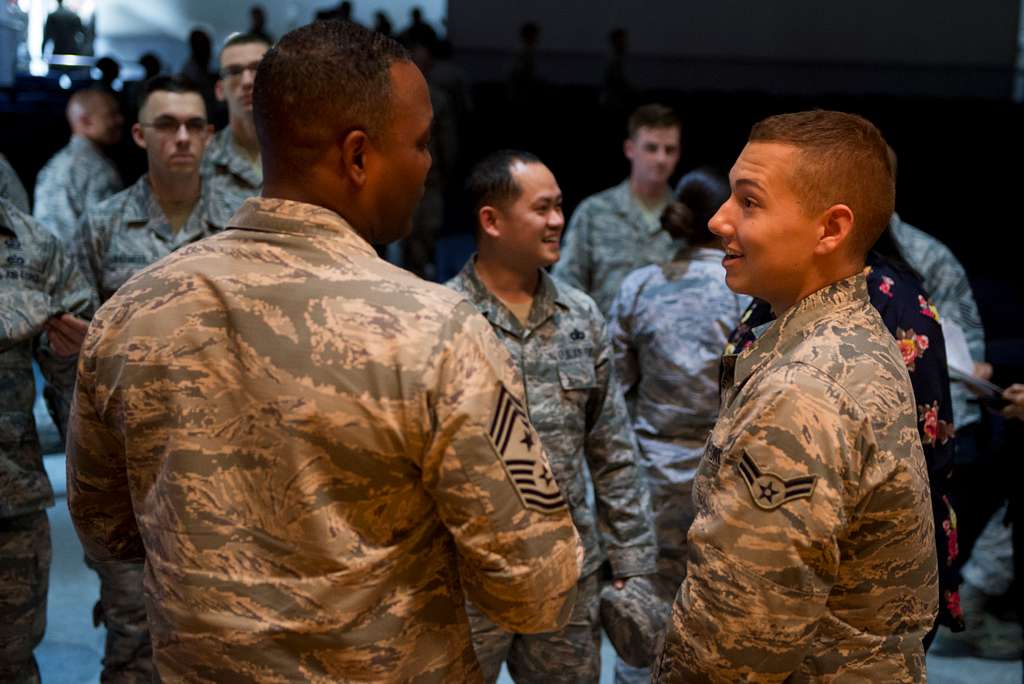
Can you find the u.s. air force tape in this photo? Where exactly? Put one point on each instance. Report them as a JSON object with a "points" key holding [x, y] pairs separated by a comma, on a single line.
{"points": [[519, 449], [768, 490]]}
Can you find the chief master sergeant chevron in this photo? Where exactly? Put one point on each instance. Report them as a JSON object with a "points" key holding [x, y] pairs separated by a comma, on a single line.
{"points": [[309, 446], [811, 557]]}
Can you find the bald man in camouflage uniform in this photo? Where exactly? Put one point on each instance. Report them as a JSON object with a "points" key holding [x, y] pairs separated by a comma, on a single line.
{"points": [[310, 447], [37, 282], [559, 341], [80, 175], [11, 188], [812, 554]]}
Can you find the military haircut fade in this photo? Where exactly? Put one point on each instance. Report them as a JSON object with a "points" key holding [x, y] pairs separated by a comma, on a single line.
{"points": [[843, 160], [320, 82], [243, 39], [491, 184], [652, 115], [167, 84]]}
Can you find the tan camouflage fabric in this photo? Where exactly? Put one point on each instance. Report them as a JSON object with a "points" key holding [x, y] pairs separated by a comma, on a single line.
{"points": [[311, 449], [73, 181], [129, 231], [946, 283], [11, 188], [811, 557], [610, 236], [228, 172], [37, 281]]}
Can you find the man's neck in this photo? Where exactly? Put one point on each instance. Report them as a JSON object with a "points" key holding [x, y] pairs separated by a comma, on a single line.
{"points": [[177, 195], [243, 132], [506, 282], [821, 282], [649, 194]]}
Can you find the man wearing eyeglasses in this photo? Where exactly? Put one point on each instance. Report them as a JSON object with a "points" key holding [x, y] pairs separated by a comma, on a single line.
{"points": [[169, 207], [232, 160]]}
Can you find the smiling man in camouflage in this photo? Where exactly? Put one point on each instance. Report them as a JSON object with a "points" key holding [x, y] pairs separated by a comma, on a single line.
{"points": [[811, 557], [560, 342], [312, 449]]}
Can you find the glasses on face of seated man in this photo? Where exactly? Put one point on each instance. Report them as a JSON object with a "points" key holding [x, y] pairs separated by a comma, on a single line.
{"points": [[168, 125]]}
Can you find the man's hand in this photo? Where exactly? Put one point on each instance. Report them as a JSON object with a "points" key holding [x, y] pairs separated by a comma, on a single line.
{"points": [[66, 333], [620, 583], [1015, 395]]}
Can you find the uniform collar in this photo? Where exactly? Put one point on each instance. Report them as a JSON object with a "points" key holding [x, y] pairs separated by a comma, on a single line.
{"points": [[272, 215], [799, 321], [222, 152], [623, 197], [142, 207], [546, 301]]}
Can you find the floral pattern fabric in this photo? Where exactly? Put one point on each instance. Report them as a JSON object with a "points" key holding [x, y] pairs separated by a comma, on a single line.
{"points": [[914, 321]]}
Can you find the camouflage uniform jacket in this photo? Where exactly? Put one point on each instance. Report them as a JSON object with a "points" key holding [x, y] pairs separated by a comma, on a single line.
{"points": [[946, 282], [37, 281], [228, 172], [129, 231], [574, 400], [11, 188], [811, 556], [609, 237], [669, 324], [75, 180], [301, 438]]}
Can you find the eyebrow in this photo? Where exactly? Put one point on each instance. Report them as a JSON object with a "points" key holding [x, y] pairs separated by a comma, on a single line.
{"points": [[752, 183]]}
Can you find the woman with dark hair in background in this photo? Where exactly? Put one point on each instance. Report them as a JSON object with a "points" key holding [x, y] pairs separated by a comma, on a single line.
{"points": [[669, 324], [898, 295]]}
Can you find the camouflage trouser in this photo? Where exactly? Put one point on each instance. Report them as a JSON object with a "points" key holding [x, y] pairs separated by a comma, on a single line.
{"points": [[673, 515], [572, 654], [128, 656], [24, 579]]}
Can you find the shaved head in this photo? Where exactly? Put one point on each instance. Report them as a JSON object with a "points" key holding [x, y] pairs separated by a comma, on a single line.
{"points": [[95, 114], [320, 81]]}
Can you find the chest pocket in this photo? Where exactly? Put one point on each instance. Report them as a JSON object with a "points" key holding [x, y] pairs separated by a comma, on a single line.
{"points": [[577, 375]]}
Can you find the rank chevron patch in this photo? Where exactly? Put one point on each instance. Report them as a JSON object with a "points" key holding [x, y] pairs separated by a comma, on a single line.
{"points": [[520, 451], [768, 490]]}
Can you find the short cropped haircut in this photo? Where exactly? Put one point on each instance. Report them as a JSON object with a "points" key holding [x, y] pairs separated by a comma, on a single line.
{"points": [[319, 82], [843, 160], [168, 84], [491, 184], [243, 39], [652, 116]]}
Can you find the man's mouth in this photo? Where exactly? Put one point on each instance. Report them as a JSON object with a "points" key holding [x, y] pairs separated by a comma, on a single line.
{"points": [[552, 240], [731, 256]]}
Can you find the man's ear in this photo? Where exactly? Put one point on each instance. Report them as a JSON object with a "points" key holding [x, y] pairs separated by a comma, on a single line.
{"points": [[355, 147], [836, 230], [218, 90], [489, 217], [629, 148], [137, 136]]}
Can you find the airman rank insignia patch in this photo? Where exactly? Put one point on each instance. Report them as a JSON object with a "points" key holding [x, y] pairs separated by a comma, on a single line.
{"points": [[770, 491], [520, 451]]}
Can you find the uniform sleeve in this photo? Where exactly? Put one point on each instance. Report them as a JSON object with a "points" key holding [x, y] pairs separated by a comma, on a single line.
{"points": [[87, 253], [623, 499], [70, 293], [758, 580], [574, 264], [621, 323], [519, 553], [98, 494], [11, 188]]}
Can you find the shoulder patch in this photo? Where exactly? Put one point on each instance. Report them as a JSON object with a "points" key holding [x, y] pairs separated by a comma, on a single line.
{"points": [[519, 449], [768, 490]]}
